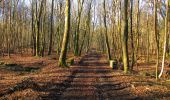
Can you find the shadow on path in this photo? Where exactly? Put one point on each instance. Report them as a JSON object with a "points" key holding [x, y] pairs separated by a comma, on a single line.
{"points": [[90, 80]]}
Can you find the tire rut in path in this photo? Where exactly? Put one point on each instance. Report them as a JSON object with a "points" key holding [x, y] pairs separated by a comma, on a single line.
{"points": [[92, 80]]}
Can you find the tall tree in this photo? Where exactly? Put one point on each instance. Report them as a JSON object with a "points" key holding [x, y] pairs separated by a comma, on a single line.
{"points": [[120, 28], [167, 20], [148, 42], [87, 26], [137, 32], [131, 31], [63, 54], [51, 33], [106, 31], [36, 29], [125, 37], [33, 26], [80, 9], [156, 37], [37, 23]]}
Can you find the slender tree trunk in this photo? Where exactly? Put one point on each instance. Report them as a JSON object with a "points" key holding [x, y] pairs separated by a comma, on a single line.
{"points": [[9, 26], [43, 27], [87, 25], [137, 33], [165, 37], [51, 33], [3, 30], [120, 31], [80, 9], [36, 29], [62, 59], [131, 31], [125, 37], [33, 29], [156, 37], [148, 43], [106, 32]]}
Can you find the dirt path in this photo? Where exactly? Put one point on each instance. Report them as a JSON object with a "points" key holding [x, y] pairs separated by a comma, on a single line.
{"points": [[92, 80]]}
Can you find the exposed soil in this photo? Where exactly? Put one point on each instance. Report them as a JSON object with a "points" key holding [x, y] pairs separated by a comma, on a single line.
{"points": [[89, 79]]}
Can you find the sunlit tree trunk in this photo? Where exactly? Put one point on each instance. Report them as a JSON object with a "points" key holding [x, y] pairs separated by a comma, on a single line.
{"points": [[167, 20], [125, 37], [36, 28], [120, 30], [62, 59], [156, 37]]}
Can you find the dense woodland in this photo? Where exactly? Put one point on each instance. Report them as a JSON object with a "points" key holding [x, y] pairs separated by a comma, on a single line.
{"points": [[128, 32]]}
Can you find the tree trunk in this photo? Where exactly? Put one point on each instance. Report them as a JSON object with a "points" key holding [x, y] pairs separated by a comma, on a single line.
{"points": [[131, 31], [51, 33], [125, 37], [106, 33], [80, 9], [62, 59], [137, 33], [148, 43], [33, 28], [156, 37], [165, 37]]}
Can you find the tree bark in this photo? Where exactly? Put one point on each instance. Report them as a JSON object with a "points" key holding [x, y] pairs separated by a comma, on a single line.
{"points": [[106, 32], [125, 37], [132, 37], [51, 33], [62, 59], [80, 9], [165, 36], [156, 37]]}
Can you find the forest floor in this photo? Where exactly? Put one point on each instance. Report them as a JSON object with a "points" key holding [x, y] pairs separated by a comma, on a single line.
{"points": [[90, 78]]}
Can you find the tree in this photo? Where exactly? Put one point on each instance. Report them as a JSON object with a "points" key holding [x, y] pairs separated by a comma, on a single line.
{"points": [[87, 27], [38, 13], [167, 20], [148, 42], [137, 32], [156, 37], [33, 25], [125, 37], [63, 54], [131, 31], [80, 9], [106, 31], [51, 33]]}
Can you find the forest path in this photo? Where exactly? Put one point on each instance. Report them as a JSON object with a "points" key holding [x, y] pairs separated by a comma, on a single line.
{"points": [[92, 79]]}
